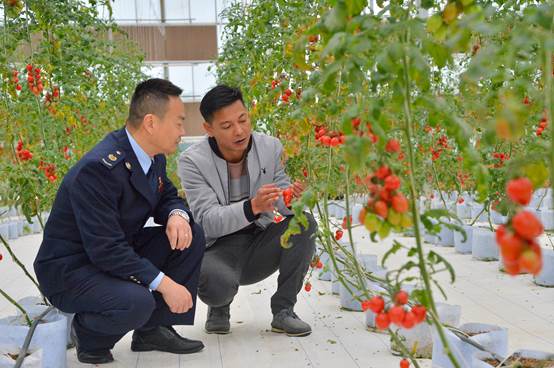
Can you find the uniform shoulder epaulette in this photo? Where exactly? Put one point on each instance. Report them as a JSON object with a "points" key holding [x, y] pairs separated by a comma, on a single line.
{"points": [[112, 159]]}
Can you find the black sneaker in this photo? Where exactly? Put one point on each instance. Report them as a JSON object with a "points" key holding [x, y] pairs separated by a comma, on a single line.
{"points": [[286, 321], [164, 338], [217, 321]]}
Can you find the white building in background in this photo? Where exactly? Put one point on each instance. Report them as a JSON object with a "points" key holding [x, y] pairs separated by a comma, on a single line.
{"points": [[181, 39]]}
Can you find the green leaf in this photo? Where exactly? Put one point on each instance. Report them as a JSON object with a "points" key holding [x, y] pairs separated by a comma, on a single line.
{"points": [[373, 236], [309, 199], [356, 151], [434, 23], [420, 296], [441, 33], [435, 258], [420, 69], [356, 78], [429, 226], [329, 77], [407, 266], [336, 44], [537, 173], [440, 289], [336, 19], [396, 246], [543, 17], [482, 178], [438, 213], [355, 7], [427, 4], [410, 279], [440, 54], [292, 229]]}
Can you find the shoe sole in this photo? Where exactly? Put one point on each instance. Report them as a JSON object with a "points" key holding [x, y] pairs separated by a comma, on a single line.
{"points": [[92, 361], [222, 332], [299, 334], [148, 347]]}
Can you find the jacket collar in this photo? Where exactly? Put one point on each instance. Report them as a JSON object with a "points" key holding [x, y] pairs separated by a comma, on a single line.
{"points": [[215, 148], [138, 178], [143, 158]]}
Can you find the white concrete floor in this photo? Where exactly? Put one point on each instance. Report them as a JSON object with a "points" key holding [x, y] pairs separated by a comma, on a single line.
{"points": [[339, 338]]}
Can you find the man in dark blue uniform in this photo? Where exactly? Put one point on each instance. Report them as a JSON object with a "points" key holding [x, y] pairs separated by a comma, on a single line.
{"points": [[98, 261]]}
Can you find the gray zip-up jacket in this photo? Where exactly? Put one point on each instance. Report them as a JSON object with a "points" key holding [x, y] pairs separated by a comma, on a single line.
{"points": [[205, 179]]}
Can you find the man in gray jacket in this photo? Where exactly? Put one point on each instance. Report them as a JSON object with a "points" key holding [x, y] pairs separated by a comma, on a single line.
{"points": [[233, 180]]}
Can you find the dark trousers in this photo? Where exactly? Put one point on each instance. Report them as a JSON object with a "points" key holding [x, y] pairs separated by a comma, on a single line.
{"points": [[248, 257], [107, 307]]}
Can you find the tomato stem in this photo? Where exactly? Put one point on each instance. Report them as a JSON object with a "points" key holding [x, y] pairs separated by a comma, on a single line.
{"points": [[415, 212]]}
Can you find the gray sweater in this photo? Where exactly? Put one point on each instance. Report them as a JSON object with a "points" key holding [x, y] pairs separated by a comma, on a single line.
{"points": [[205, 179]]}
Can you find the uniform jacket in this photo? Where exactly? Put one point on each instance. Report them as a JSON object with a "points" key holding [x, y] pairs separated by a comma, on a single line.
{"points": [[205, 179], [102, 204]]}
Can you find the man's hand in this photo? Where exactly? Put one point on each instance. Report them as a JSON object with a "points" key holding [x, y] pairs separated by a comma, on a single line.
{"points": [[265, 198], [178, 232], [176, 296], [297, 189]]}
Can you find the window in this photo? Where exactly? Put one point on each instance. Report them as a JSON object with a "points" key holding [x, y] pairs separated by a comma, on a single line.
{"points": [[133, 11], [193, 78], [177, 12], [182, 76]]}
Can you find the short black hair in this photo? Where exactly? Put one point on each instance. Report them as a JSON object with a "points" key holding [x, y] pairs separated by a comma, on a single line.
{"points": [[151, 97], [217, 98]]}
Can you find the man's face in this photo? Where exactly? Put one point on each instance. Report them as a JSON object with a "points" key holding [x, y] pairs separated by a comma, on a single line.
{"points": [[231, 128], [168, 130]]}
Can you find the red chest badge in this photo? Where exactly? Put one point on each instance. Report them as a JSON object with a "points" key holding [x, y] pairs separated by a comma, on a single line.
{"points": [[160, 184]]}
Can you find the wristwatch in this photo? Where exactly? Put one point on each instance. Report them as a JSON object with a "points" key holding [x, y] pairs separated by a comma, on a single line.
{"points": [[181, 213]]}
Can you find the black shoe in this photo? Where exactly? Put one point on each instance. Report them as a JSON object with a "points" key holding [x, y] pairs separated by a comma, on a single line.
{"points": [[217, 321], [95, 357], [164, 338], [100, 356]]}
